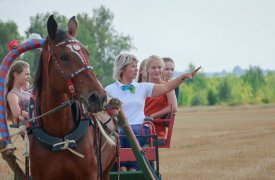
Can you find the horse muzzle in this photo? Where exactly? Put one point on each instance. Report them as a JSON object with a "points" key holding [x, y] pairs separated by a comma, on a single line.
{"points": [[96, 102]]}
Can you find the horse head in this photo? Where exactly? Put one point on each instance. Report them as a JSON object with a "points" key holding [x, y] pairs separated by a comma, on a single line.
{"points": [[66, 64]]}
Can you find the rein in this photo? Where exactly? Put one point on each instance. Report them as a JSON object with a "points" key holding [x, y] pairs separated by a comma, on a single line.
{"points": [[62, 106]]}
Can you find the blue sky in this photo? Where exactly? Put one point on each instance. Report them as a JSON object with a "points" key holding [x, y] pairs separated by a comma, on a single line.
{"points": [[214, 34]]}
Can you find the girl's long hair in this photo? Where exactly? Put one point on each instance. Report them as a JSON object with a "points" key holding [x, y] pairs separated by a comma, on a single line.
{"points": [[141, 71], [16, 67]]}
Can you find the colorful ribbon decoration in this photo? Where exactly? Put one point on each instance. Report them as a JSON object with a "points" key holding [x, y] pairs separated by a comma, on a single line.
{"points": [[5, 66]]}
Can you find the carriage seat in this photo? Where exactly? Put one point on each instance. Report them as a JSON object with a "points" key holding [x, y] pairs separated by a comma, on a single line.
{"points": [[168, 122]]}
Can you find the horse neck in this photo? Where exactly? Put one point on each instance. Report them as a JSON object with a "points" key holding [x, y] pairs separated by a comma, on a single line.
{"points": [[57, 123]]}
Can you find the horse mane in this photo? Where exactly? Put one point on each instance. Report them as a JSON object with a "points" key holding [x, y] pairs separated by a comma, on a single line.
{"points": [[37, 85]]}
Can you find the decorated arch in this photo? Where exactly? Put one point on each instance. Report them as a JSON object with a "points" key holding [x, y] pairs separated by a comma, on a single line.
{"points": [[4, 69]]}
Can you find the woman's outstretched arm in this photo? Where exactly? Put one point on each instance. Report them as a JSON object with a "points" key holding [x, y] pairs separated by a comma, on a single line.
{"points": [[160, 89]]}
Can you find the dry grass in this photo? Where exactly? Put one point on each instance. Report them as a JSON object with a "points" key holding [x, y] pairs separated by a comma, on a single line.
{"points": [[222, 143], [5, 171], [216, 143]]}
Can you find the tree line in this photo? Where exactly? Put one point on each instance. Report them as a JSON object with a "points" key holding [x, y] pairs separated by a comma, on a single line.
{"points": [[103, 42], [254, 87]]}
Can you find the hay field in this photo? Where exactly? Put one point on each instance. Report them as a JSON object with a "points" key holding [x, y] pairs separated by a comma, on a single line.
{"points": [[216, 143], [222, 143]]}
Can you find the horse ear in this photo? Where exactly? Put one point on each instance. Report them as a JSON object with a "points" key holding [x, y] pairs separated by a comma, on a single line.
{"points": [[72, 27], [52, 27]]}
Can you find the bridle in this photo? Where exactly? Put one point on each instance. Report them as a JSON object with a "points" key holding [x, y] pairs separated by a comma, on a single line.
{"points": [[75, 47]]}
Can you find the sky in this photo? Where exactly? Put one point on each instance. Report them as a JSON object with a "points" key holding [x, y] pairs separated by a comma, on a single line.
{"points": [[215, 34]]}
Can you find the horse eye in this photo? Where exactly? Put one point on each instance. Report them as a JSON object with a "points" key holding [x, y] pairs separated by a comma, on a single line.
{"points": [[64, 57]]}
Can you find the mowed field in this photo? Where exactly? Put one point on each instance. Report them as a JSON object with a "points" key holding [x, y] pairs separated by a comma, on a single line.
{"points": [[215, 143], [222, 143]]}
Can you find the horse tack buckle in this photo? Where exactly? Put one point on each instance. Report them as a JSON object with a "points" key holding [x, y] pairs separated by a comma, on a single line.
{"points": [[76, 47], [71, 88]]}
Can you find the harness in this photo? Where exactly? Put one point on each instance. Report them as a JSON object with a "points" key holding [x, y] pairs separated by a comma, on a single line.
{"points": [[57, 143], [81, 119]]}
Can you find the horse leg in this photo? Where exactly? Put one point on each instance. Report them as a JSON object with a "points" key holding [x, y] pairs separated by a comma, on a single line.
{"points": [[108, 158], [10, 158], [106, 172]]}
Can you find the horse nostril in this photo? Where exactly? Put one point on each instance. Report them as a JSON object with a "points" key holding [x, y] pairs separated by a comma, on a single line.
{"points": [[97, 102], [93, 98]]}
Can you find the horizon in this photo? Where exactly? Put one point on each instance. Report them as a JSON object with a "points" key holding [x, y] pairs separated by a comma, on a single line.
{"points": [[222, 73]]}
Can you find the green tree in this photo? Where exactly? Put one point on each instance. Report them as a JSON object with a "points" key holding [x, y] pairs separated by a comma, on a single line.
{"points": [[96, 33], [197, 86], [212, 97], [39, 25], [270, 86], [224, 90], [8, 31], [212, 90], [252, 88], [186, 94], [255, 78], [105, 42]]}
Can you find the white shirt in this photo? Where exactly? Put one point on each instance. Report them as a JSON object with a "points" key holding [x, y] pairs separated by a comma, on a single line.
{"points": [[133, 104]]}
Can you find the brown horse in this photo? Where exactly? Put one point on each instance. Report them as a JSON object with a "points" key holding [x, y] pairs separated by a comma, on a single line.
{"points": [[64, 72]]}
